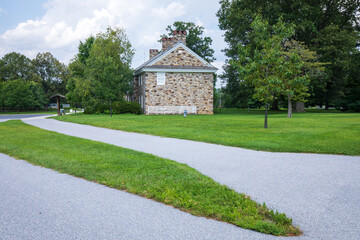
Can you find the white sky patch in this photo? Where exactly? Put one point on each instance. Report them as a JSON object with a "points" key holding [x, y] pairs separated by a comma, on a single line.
{"points": [[198, 22], [66, 22]]}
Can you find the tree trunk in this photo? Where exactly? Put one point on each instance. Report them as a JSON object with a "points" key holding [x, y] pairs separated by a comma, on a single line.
{"points": [[327, 105], [266, 113], [289, 107], [299, 107], [110, 109], [58, 105], [275, 105]]}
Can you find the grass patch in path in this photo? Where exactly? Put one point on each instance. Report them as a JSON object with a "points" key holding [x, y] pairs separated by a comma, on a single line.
{"points": [[143, 174], [311, 132]]}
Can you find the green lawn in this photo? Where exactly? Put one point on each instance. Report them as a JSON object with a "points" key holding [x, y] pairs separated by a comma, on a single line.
{"points": [[312, 132], [143, 174]]}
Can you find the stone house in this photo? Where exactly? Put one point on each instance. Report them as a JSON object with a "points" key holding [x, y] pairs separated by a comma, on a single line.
{"points": [[174, 80]]}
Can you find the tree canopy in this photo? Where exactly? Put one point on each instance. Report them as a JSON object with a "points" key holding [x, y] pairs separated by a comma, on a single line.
{"points": [[52, 72], [101, 70], [321, 26], [26, 83]]}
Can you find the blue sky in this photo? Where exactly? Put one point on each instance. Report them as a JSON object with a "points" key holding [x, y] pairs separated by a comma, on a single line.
{"points": [[57, 26], [15, 11]]}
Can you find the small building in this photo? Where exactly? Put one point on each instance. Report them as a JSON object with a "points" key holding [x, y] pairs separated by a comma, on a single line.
{"points": [[174, 80]]}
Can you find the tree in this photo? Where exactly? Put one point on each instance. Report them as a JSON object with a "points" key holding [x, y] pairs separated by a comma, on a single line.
{"points": [[108, 66], [335, 46], [17, 94], [261, 63], [238, 93], [2, 96], [38, 95], [85, 48], [309, 67], [350, 96], [294, 79], [310, 19], [78, 87], [53, 73], [17, 66], [194, 40]]}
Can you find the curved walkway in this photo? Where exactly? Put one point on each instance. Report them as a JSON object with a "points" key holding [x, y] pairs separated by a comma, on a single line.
{"points": [[320, 192], [6, 117], [39, 203]]}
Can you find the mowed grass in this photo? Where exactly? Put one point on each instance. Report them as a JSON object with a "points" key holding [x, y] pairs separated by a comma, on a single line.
{"points": [[143, 174], [311, 132]]}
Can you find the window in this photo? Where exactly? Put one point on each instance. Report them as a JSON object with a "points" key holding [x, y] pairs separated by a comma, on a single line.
{"points": [[160, 78]]}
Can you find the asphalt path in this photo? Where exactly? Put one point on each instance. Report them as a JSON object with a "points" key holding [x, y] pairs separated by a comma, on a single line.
{"points": [[39, 203], [4, 117], [320, 192]]}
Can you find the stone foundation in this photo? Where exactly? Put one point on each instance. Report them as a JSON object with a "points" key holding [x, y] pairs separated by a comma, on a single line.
{"points": [[153, 110]]}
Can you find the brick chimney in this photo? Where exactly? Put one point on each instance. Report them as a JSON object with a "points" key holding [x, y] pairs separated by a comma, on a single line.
{"points": [[153, 53], [166, 43], [169, 42], [179, 36]]}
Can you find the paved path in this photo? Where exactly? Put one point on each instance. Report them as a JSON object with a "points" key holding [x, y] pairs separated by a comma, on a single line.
{"points": [[38, 203], [320, 192], [6, 117]]}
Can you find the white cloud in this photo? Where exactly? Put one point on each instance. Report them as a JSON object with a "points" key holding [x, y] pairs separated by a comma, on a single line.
{"points": [[66, 22]]}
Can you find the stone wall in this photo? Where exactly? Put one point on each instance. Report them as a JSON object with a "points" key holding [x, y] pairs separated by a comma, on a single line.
{"points": [[180, 57], [180, 90]]}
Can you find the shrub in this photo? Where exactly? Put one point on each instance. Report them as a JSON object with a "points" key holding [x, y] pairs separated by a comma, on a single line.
{"points": [[118, 107]]}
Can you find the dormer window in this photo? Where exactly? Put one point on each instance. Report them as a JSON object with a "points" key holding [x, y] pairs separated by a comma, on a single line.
{"points": [[160, 78]]}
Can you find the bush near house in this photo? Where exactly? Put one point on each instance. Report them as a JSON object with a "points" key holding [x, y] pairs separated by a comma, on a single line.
{"points": [[118, 107]]}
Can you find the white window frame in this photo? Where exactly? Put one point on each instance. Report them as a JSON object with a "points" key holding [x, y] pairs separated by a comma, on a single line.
{"points": [[160, 78]]}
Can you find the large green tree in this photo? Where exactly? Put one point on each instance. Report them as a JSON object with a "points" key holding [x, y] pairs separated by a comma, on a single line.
{"points": [[85, 48], [101, 70], [194, 39], [17, 94], [335, 46], [311, 19], [53, 73], [17, 66], [78, 87], [262, 63]]}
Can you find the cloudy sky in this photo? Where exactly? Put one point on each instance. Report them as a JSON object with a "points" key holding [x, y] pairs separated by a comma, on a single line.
{"points": [[57, 26]]}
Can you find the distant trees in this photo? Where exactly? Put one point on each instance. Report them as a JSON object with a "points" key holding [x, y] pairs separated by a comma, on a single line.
{"points": [[101, 70], [53, 73], [26, 83]]}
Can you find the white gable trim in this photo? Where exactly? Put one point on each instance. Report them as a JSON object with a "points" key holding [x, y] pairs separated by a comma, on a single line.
{"points": [[176, 46], [176, 70]]}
